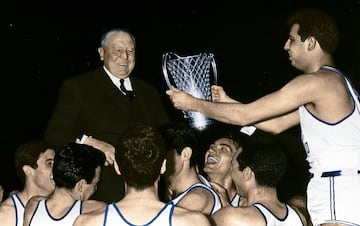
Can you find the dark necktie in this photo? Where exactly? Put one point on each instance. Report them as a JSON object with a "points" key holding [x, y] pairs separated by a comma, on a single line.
{"points": [[128, 93]]}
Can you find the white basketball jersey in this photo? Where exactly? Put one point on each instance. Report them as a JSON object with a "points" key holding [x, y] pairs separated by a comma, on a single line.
{"points": [[42, 217], [19, 209], [291, 217], [114, 217], [217, 202], [235, 202], [334, 146]]}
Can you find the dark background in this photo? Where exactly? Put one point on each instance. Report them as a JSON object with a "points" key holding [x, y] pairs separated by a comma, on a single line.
{"points": [[44, 42]]}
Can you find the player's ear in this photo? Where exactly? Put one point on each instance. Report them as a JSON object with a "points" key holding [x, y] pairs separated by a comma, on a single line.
{"points": [[80, 185], [186, 153], [311, 43], [27, 169], [163, 167]]}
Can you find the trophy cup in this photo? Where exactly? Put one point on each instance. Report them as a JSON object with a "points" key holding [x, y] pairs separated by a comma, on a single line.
{"points": [[194, 75]]}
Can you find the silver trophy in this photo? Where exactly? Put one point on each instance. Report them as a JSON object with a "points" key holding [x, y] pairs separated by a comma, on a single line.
{"points": [[194, 75]]}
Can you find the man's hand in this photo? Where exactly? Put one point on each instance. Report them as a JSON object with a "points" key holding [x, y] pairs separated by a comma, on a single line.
{"points": [[222, 192], [181, 100], [218, 95], [107, 149]]}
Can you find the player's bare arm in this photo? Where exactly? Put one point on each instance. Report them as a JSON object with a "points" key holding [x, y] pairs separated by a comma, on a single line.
{"points": [[301, 90]]}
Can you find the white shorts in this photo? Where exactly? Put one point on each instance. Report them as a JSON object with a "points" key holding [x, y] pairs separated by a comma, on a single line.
{"points": [[334, 199]]}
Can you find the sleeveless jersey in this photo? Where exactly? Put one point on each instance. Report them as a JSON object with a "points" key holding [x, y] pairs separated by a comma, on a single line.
{"points": [[19, 209], [333, 153], [332, 146], [42, 217], [217, 203], [114, 217], [235, 200], [291, 217]]}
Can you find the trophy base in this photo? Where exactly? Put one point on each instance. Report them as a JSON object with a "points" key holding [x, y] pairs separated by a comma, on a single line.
{"points": [[198, 120]]}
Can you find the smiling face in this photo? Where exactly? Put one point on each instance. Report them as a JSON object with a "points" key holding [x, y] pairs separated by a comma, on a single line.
{"points": [[219, 155], [41, 176], [296, 48], [119, 54]]}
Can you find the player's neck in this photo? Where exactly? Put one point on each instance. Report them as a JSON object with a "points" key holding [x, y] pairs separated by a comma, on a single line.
{"points": [[145, 194], [186, 180], [29, 192], [221, 179], [25, 195], [263, 195]]}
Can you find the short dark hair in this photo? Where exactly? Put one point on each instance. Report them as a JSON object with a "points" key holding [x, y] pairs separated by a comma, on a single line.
{"points": [[232, 133], [73, 162], [179, 136], [265, 155], [318, 24], [140, 153], [28, 153]]}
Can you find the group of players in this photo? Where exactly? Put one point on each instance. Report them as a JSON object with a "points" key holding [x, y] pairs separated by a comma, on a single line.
{"points": [[163, 182]]}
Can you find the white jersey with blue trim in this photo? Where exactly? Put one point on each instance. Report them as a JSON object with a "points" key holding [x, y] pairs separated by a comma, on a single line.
{"points": [[206, 186], [332, 146], [235, 202], [114, 217], [291, 217], [42, 217], [19, 209]]}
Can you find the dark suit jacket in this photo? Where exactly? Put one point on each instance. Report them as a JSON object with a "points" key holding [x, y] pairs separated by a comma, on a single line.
{"points": [[91, 104]]}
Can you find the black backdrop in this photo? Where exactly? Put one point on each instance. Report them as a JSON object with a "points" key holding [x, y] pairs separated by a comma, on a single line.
{"points": [[44, 42]]}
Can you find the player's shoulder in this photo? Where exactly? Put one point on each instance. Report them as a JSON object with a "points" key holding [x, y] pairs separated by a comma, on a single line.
{"points": [[7, 202], [93, 205], [201, 191], [326, 80], [308, 77], [199, 196], [95, 217], [237, 216], [182, 216], [7, 212], [6, 205], [323, 76], [308, 81]]}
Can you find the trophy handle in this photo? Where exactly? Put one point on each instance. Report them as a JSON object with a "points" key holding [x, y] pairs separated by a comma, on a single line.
{"points": [[164, 67], [213, 65]]}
